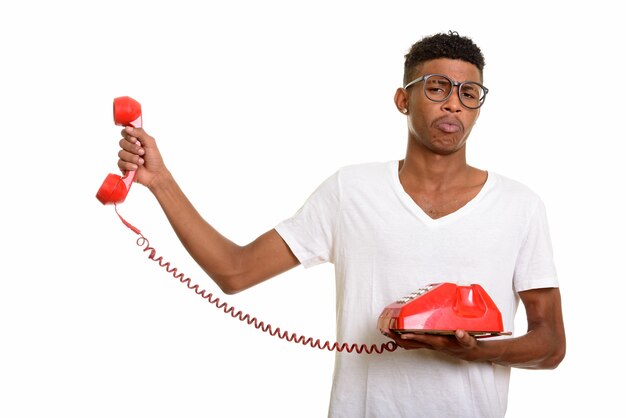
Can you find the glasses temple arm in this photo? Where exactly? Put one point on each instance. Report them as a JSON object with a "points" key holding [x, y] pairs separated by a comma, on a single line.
{"points": [[417, 80]]}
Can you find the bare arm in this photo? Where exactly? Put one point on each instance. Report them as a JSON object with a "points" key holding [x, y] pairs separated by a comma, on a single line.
{"points": [[542, 347], [233, 267]]}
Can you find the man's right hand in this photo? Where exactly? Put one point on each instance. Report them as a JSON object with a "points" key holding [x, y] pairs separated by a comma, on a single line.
{"points": [[139, 152]]}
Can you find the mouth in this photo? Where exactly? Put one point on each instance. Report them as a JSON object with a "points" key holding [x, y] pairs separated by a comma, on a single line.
{"points": [[448, 125]]}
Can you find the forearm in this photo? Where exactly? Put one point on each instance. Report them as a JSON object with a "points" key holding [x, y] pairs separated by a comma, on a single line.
{"points": [[533, 350], [219, 257], [543, 345]]}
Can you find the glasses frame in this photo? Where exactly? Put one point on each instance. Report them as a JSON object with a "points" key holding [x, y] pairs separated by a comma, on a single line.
{"points": [[425, 77]]}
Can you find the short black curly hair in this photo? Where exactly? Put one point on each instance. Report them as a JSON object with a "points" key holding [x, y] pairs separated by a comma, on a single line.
{"points": [[442, 45]]}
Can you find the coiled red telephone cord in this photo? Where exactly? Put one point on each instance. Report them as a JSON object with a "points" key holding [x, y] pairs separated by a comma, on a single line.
{"points": [[142, 241]]}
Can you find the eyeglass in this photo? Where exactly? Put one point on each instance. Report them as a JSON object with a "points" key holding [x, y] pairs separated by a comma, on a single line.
{"points": [[438, 88]]}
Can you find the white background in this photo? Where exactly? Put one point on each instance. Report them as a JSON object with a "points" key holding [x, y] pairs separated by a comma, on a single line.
{"points": [[254, 103]]}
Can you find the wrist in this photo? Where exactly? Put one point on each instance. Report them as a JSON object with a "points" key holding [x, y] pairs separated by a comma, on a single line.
{"points": [[494, 351], [160, 182]]}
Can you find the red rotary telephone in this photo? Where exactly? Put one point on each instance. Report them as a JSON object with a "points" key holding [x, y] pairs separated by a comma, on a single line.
{"points": [[114, 189], [443, 308]]}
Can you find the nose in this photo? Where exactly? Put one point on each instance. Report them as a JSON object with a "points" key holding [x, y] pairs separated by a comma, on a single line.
{"points": [[453, 103]]}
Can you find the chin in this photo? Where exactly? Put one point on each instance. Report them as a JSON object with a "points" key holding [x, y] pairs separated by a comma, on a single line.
{"points": [[446, 147]]}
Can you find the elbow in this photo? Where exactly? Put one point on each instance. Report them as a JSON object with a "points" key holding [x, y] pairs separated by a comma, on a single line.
{"points": [[233, 280], [231, 290], [552, 361], [229, 284], [231, 276]]}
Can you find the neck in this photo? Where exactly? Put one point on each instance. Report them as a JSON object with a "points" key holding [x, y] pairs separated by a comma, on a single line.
{"points": [[426, 170]]}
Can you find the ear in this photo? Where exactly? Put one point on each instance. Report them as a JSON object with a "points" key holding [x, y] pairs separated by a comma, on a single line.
{"points": [[401, 99]]}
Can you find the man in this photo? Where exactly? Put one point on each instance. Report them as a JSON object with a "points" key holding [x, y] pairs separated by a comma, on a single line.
{"points": [[391, 228]]}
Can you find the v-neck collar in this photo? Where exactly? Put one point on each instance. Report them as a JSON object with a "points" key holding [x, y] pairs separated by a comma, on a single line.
{"points": [[419, 212]]}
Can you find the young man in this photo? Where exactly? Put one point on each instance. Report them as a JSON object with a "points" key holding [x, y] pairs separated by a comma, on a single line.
{"points": [[391, 228]]}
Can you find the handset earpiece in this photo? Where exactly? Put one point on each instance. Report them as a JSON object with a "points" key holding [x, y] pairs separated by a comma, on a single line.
{"points": [[127, 112], [115, 188]]}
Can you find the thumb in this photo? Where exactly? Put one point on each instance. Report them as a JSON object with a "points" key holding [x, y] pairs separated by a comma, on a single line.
{"points": [[140, 134], [464, 338]]}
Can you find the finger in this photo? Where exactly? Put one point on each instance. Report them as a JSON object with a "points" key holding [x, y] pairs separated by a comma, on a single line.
{"points": [[134, 148], [418, 340], [421, 337], [138, 134], [129, 136], [395, 337], [413, 345], [464, 338], [129, 157], [126, 166]]}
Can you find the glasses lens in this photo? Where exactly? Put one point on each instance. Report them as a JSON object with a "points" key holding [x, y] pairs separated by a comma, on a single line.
{"points": [[437, 88], [472, 94]]}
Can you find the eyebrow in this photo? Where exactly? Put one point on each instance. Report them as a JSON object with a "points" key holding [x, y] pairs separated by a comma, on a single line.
{"points": [[437, 81], [470, 85]]}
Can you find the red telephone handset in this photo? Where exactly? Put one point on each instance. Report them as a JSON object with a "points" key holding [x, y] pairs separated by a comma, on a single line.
{"points": [[126, 112]]}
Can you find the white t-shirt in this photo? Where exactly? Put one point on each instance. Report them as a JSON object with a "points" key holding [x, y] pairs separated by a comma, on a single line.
{"points": [[384, 246]]}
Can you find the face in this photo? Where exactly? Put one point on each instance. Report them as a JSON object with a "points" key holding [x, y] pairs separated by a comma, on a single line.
{"points": [[441, 127]]}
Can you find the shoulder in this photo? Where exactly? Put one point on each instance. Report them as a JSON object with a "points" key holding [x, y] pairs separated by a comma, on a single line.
{"points": [[513, 189], [365, 172], [351, 178], [514, 197]]}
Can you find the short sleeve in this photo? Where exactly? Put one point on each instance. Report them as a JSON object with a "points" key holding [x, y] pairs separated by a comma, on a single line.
{"points": [[535, 263], [310, 233]]}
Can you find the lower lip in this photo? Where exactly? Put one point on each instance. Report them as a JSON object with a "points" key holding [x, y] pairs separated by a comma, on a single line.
{"points": [[448, 127]]}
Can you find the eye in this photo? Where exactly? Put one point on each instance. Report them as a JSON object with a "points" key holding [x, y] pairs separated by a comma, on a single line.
{"points": [[437, 86], [436, 89], [469, 95], [471, 91]]}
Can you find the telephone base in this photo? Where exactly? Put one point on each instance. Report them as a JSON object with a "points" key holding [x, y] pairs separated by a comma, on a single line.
{"points": [[442, 308], [476, 334]]}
